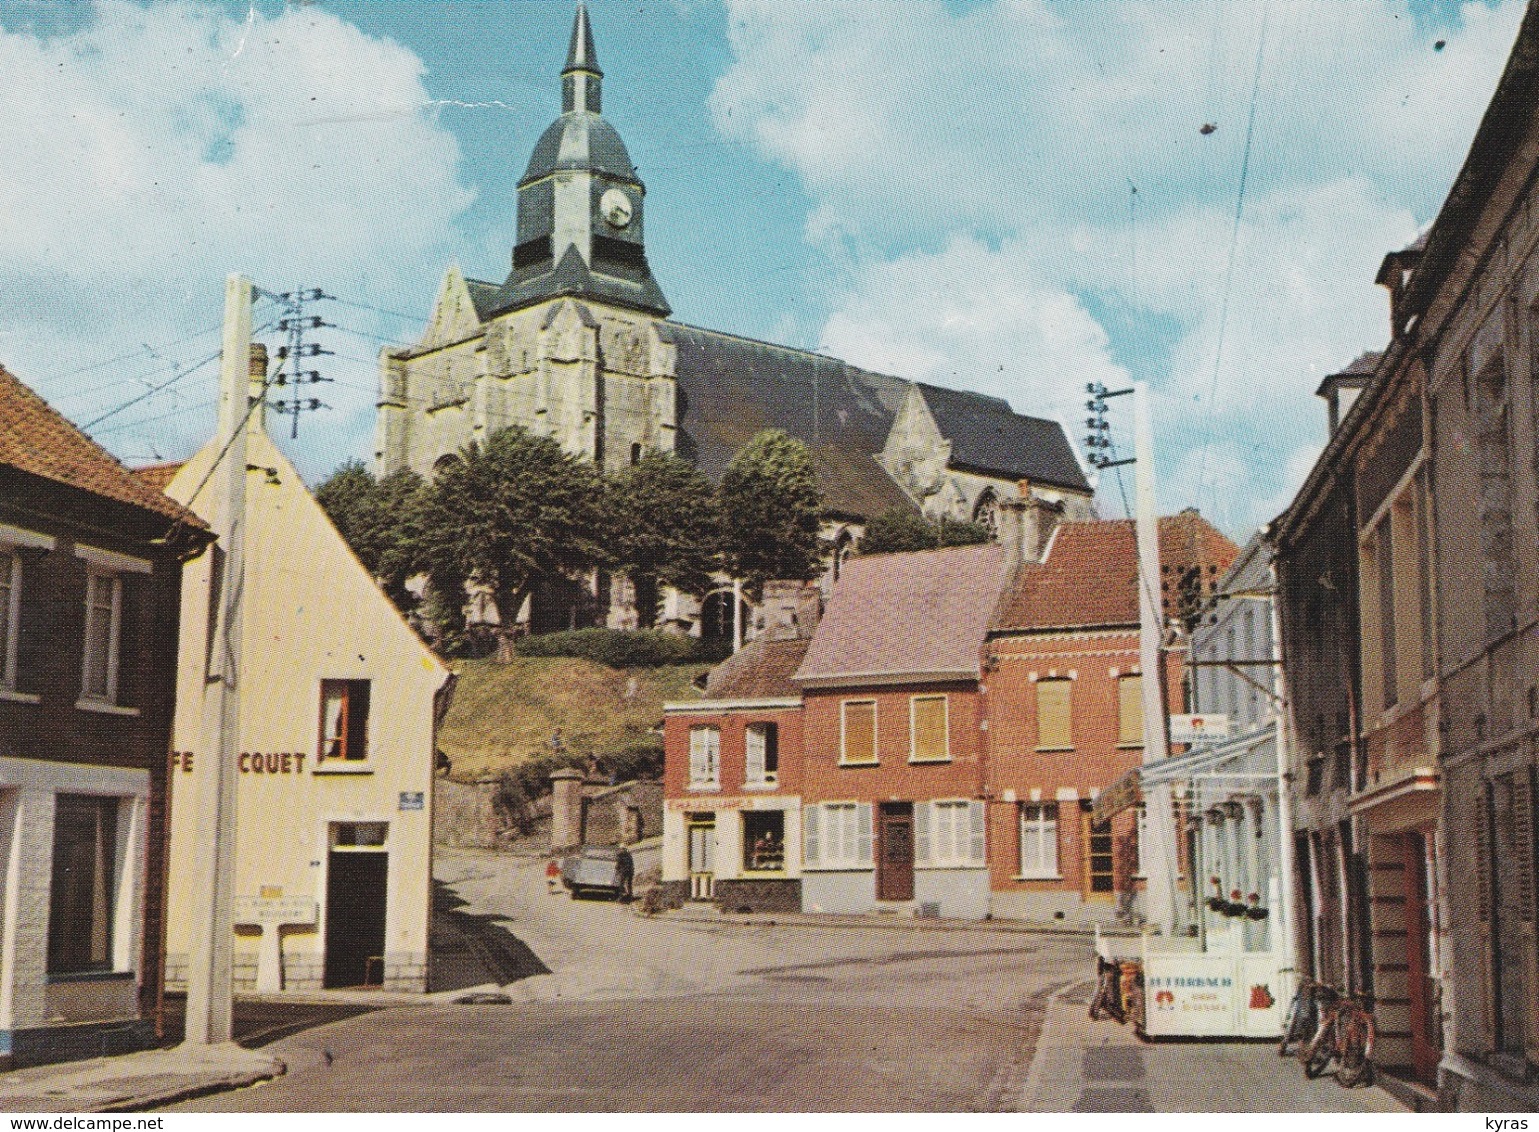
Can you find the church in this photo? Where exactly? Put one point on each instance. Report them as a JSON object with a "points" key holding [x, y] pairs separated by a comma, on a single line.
{"points": [[579, 343]]}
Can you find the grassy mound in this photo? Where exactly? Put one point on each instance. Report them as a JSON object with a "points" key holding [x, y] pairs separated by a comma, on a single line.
{"points": [[506, 714]]}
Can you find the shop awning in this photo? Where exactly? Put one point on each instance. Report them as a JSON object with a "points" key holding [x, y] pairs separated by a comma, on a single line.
{"points": [[1129, 790]]}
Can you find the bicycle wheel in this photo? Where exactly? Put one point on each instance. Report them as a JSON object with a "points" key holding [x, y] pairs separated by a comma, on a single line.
{"points": [[1319, 1053], [1355, 1068]]}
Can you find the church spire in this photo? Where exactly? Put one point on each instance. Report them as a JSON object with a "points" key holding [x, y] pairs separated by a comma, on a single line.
{"points": [[581, 79]]}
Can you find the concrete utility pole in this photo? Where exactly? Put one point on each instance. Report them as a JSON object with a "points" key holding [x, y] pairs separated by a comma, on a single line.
{"points": [[210, 958], [1159, 829]]}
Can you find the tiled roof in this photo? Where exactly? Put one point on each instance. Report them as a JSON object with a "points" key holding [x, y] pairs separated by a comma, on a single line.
{"points": [[760, 670], [158, 476], [36, 439], [1365, 363], [897, 615], [1090, 576], [987, 435]]}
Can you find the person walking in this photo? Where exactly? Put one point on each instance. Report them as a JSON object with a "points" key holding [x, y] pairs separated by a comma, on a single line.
{"points": [[625, 866]]}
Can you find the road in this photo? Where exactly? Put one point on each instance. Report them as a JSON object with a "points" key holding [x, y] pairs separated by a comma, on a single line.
{"points": [[640, 1014]]}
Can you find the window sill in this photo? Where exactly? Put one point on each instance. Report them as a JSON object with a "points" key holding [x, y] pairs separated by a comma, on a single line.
{"points": [[1138, 746], [6, 694], [761, 785], [704, 788], [838, 868], [929, 762], [330, 767], [950, 866], [90, 976], [1037, 876], [1049, 750], [764, 874], [102, 707], [863, 762]]}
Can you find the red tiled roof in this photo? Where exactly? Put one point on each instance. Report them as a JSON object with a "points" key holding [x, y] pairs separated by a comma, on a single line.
{"points": [[1090, 576], [158, 476], [897, 615], [36, 439], [760, 670]]}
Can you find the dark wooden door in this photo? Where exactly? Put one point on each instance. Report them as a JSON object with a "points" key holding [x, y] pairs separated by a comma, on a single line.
{"points": [[355, 919], [895, 852]]}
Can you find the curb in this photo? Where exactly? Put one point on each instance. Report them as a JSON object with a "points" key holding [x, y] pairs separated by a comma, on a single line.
{"points": [[888, 923], [191, 1092]]}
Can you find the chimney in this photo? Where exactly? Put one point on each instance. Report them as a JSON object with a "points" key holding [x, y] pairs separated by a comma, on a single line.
{"points": [[257, 387], [1025, 525]]}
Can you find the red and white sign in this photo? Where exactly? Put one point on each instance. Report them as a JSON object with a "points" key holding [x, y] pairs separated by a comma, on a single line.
{"points": [[1198, 728]]}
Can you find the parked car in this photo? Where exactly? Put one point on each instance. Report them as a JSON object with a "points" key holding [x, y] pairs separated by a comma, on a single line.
{"points": [[595, 868]]}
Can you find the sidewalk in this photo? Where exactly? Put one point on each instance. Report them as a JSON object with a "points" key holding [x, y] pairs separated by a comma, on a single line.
{"points": [[134, 1082], [1085, 1066], [706, 913]]}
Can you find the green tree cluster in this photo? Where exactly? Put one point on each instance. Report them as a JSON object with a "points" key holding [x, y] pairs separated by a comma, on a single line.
{"points": [[517, 511], [901, 529]]}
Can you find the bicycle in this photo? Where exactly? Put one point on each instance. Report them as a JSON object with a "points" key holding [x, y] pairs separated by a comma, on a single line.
{"points": [[1108, 991], [1302, 1019], [1345, 1035]]}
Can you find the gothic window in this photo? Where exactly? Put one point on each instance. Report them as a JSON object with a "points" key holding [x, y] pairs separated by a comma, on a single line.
{"points": [[986, 511]]}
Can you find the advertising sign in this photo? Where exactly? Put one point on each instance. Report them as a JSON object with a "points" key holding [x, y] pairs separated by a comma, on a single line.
{"points": [[1192, 729]]}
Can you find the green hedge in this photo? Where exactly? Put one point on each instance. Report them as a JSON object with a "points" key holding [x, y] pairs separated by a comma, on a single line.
{"points": [[616, 648]]}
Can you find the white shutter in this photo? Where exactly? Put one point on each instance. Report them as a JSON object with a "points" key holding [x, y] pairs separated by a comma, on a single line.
{"points": [[921, 833], [863, 816], [976, 841], [753, 754], [697, 756], [811, 857]]}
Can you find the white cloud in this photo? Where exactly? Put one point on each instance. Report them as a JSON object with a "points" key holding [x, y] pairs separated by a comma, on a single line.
{"points": [[975, 167], [159, 148]]}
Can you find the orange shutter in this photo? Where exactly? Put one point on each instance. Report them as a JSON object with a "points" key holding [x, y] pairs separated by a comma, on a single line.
{"points": [[859, 732], [1053, 723], [929, 724], [1130, 711]]}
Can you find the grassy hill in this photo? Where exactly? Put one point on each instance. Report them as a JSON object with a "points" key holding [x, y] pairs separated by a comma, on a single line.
{"points": [[506, 713]]}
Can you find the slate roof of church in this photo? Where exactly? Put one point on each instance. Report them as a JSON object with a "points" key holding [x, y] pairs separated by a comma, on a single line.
{"points": [[987, 435], [920, 615], [731, 388], [35, 438]]}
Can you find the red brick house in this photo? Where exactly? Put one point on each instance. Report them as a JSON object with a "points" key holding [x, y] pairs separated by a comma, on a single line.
{"points": [[894, 751], [1065, 711], [731, 784], [90, 592]]}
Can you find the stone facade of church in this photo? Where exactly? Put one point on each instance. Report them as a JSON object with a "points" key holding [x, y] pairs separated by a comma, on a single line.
{"points": [[577, 343]]}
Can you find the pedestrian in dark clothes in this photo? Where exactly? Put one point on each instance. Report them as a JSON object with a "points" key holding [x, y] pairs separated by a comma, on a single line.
{"points": [[625, 866]]}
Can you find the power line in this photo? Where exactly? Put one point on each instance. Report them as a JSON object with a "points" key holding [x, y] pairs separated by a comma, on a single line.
{"points": [[1234, 244], [152, 391]]}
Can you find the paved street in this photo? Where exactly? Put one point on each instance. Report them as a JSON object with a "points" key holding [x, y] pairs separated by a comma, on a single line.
{"points": [[664, 1014]]}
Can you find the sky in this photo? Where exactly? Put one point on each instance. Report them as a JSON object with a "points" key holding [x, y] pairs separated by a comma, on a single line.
{"points": [[1012, 196]]}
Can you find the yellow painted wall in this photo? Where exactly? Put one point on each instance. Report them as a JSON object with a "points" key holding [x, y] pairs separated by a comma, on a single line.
{"points": [[312, 612]]}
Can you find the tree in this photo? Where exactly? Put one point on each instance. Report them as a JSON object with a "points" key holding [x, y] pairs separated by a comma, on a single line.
{"points": [[667, 528], [382, 522], [510, 515], [897, 529], [901, 529], [770, 512]]}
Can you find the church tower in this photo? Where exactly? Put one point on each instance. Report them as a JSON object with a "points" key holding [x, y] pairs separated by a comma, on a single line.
{"points": [[580, 204]]}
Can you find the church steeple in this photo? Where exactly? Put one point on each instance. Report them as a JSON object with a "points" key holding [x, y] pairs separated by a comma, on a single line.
{"points": [[581, 80], [580, 202]]}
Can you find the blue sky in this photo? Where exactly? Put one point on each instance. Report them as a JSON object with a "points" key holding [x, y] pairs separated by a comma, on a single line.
{"points": [[943, 190]]}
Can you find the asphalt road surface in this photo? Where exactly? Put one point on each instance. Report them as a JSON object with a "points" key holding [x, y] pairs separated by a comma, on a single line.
{"points": [[640, 1014]]}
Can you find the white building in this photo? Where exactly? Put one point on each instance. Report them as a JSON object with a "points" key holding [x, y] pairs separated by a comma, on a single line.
{"points": [[339, 704]]}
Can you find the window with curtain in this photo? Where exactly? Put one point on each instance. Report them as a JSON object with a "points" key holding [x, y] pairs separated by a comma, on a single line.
{"points": [[345, 720], [10, 607], [81, 904], [104, 608], [704, 757], [1039, 839], [1054, 731]]}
